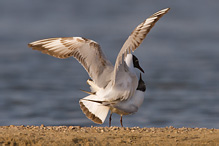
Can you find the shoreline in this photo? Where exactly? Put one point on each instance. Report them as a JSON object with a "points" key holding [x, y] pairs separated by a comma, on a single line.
{"points": [[76, 135]]}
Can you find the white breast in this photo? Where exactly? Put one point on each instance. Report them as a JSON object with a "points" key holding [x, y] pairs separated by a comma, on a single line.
{"points": [[131, 105]]}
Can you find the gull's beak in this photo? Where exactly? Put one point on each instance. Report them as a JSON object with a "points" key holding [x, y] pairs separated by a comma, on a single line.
{"points": [[140, 68], [136, 63]]}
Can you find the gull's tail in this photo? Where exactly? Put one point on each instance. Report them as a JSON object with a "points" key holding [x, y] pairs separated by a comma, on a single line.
{"points": [[93, 110]]}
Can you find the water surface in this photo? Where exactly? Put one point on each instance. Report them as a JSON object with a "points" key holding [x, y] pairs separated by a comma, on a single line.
{"points": [[180, 57]]}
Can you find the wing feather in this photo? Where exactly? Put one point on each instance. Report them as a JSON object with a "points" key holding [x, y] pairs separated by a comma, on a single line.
{"points": [[136, 38], [86, 51]]}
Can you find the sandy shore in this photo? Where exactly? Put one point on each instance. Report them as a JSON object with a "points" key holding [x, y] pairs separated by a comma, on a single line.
{"points": [[75, 135]]}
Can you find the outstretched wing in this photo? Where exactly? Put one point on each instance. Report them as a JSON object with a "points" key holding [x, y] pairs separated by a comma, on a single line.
{"points": [[136, 38], [86, 51]]}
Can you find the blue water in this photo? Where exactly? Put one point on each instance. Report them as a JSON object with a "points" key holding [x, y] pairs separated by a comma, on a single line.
{"points": [[180, 57]]}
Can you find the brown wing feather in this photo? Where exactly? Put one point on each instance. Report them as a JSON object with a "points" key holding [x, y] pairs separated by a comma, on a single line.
{"points": [[86, 51], [137, 36]]}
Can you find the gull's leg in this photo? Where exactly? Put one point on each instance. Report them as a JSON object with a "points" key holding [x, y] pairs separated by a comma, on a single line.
{"points": [[121, 121], [110, 119]]}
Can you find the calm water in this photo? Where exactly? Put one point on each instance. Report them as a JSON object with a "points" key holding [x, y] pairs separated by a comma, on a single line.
{"points": [[180, 57]]}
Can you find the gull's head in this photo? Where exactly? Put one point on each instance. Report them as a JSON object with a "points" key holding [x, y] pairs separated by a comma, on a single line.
{"points": [[141, 85], [132, 62]]}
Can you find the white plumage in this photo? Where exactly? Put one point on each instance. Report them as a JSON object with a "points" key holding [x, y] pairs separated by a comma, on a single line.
{"points": [[115, 88]]}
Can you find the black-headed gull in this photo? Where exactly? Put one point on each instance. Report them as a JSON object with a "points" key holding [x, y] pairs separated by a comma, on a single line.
{"points": [[113, 88]]}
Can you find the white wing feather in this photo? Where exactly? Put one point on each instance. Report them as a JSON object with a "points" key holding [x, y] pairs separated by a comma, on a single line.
{"points": [[86, 51], [136, 38], [128, 85]]}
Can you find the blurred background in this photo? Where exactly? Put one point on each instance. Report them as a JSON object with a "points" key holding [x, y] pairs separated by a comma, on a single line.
{"points": [[180, 57]]}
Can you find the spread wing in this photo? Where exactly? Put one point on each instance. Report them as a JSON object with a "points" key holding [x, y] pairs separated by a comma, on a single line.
{"points": [[135, 39], [86, 51]]}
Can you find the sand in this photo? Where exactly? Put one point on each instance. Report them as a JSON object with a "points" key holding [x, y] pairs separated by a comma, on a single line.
{"points": [[76, 135]]}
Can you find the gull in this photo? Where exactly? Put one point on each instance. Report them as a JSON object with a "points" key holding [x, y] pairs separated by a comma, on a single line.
{"points": [[115, 88], [89, 104]]}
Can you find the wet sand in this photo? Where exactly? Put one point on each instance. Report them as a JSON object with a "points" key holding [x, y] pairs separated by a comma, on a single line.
{"points": [[76, 135]]}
